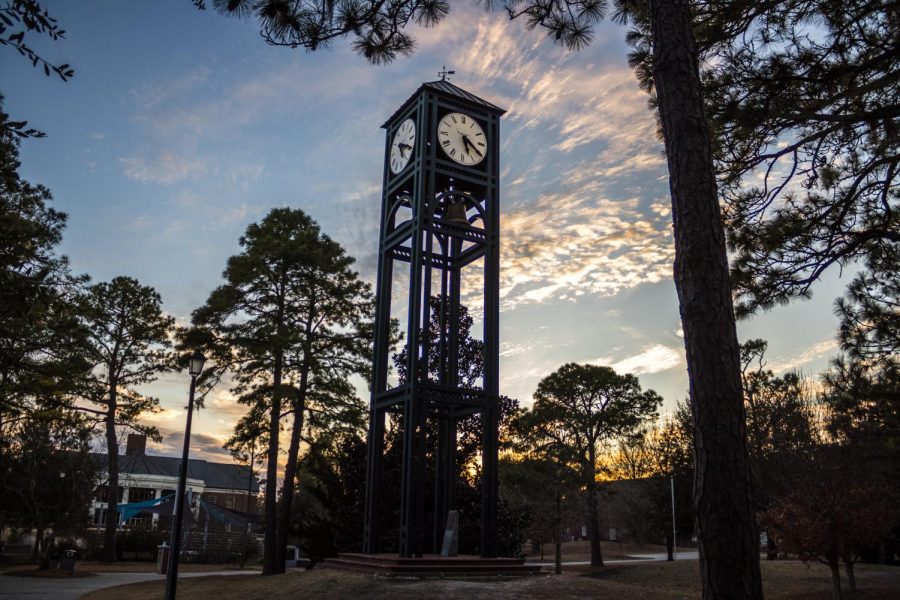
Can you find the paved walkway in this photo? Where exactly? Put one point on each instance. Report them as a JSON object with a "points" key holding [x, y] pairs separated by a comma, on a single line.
{"points": [[39, 588], [632, 558]]}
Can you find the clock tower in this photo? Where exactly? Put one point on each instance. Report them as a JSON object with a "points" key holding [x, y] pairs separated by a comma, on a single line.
{"points": [[440, 229]]}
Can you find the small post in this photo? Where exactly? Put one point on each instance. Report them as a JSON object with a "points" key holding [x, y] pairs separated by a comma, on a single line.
{"points": [[674, 539]]}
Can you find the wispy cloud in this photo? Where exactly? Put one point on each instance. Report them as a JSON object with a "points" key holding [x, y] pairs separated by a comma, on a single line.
{"points": [[569, 245], [173, 89], [655, 359], [203, 445], [814, 352], [166, 168], [511, 349], [582, 209], [267, 93]]}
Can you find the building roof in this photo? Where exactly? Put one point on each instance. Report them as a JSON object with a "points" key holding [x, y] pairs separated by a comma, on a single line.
{"points": [[214, 475], [447, 88]]}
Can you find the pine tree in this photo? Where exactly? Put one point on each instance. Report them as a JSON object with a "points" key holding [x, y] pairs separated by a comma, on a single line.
{"points": [[579, 407], [39, 336], [291, 319], [128, 345], [42, 365]]}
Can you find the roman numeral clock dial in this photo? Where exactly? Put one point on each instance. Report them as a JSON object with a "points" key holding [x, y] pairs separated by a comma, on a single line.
{"points": [[402, 146], [462, 139]]}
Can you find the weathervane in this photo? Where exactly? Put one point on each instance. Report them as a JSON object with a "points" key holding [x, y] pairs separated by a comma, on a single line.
{"points": [[443, 74]]}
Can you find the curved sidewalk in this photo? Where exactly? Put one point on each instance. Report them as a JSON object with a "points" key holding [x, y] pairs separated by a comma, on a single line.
{"points": [[39, 588], [632, 558]]}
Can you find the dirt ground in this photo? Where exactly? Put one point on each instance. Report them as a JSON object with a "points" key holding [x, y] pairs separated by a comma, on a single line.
{"points": [[783, 580]]}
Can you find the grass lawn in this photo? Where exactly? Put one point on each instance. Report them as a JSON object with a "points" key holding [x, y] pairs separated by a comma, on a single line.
{"points": [[783, 580], [47, 573], [581, 551]]}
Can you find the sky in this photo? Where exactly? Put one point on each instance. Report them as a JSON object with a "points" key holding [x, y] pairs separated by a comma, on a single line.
{"points": [[181, 127]]}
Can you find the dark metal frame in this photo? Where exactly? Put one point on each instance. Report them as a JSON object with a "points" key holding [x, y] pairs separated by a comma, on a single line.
{"points": [[433, 245]]}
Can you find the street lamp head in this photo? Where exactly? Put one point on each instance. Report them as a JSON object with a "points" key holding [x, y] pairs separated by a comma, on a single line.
{"points": [[195, 363]]}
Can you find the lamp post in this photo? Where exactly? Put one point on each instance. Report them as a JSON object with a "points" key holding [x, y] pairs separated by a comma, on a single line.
{"points": [[195, 367]]}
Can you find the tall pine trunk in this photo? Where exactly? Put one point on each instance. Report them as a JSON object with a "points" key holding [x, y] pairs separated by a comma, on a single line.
{"points": [[727, 539], [112, 487], [290, 468], [557, 534], [593, 518], [670, 545], [270, 520]]}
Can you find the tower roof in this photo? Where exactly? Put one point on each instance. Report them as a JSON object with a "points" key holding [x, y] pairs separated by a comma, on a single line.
{"points": [[448, 89]]}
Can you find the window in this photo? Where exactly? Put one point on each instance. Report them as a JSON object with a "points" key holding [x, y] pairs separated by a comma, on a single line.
{"points": [[137, 494], [211, 498], [229, 502], [141, 520], [102, 493]]}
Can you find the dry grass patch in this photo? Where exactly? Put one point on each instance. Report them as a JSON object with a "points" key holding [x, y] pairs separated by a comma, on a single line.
{"points": [[784, 580], [32, 571], [150, 567]]}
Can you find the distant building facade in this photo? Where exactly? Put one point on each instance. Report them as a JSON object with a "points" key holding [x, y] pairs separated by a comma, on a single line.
{"points": [[143, 477]]}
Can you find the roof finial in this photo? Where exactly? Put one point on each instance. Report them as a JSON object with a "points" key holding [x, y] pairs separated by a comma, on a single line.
{"points": [[444, 73]]}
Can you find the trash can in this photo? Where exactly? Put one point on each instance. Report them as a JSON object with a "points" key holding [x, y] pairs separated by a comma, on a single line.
{"points": [[162, 558], [67, 561]]}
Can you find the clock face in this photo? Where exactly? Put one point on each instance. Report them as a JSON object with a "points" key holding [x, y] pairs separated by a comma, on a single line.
{"points": [[402, 146], [462, 138]]}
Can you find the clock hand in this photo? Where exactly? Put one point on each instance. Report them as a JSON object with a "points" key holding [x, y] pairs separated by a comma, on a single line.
{"points": [[468, 144], [402, 146]]}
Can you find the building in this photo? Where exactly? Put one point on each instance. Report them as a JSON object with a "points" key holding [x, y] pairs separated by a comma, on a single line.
{"points": [[144, 477]]}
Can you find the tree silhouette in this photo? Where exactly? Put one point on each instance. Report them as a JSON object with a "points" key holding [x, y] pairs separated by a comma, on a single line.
{"points": [[578, 407], [22, 17], [291, 323], [128, 345]]}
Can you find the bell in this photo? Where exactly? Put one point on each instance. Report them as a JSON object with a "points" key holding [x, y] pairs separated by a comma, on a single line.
{"points": [[456, 212]]}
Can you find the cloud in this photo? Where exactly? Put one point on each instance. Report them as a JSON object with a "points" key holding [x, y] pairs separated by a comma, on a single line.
{"points": [[510, 349], [257, 96], [164, 416], [221, 403], [655, 359], [140, 223], [166, 169], [180, 88], [812, 353], [571, 244], [203, 445]]}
